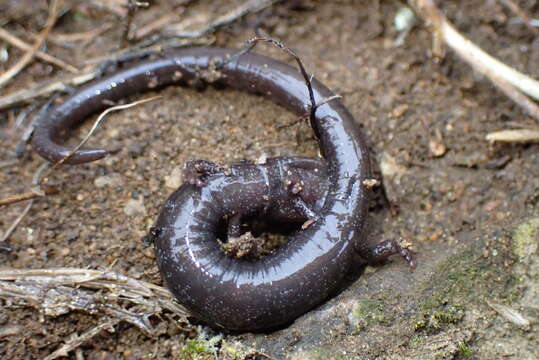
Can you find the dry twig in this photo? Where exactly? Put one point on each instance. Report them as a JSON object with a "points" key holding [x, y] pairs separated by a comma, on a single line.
{"points": [[117, 297], [21, 283], [43, 189], [64, 83], [77, 340], [116, 7], [35, 193], [35, 181], [154, 25], [94, 127], [248, 7], [61, 39], [156, 44], [15, 41], [132, 7], [499, 73], [521, 14], [61, 85], [29, 55], [512, 136], [40, 188]]}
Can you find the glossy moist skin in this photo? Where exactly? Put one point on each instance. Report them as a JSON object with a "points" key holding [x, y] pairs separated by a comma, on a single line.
{"points": [[278, 195], [233, 293]]}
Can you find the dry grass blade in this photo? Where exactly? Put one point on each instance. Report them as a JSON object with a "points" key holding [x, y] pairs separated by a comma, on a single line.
{"points": [[40, 188], [13, 40], [512, 136], [495, 70], [137, 292], [521, 14], [78, 340], [111, 296], [65, 83], [29, 55], [42, 191], [62, 84], [248, 7], [96, 124], [61, 39], [35, 181]]}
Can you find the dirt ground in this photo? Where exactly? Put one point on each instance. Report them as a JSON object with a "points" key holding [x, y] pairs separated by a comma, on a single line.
{"points": [[469, 207]]}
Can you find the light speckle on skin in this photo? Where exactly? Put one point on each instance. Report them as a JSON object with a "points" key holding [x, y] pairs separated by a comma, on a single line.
{"points": [[153, 83], [177, 75]]}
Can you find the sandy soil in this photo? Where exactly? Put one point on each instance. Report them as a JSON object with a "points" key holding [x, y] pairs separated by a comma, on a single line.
{"points": [[469, 207]]}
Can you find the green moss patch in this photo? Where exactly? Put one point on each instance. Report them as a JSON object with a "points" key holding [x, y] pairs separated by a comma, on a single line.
{"points": [[525, 239], [369, 312], [466, 279]]}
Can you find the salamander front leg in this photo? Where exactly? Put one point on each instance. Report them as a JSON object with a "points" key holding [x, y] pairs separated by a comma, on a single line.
{"points": [[195, 172]]}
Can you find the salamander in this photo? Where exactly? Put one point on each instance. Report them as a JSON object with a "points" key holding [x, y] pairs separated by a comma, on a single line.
{"points": [[239, 294]]}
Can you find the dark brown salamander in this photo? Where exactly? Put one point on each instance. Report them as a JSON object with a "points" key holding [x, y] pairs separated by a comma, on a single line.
{"points": [[279, 193], [238, 294]]}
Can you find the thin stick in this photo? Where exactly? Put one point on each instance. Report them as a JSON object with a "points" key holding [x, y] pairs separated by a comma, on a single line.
{"points": [[35, 181], [26, 95], [115, 7], [62, 38], [521, 14], [78, 340], [55, 292], [514, 136], [8, 163], [29, 55], [44, 190], [132, 7], [153, 26], [131, 290], [528, 105], [66, 82], [94, 127], [248, 7], [306, 76], [471, 53], [38, 180], [15, 41]]}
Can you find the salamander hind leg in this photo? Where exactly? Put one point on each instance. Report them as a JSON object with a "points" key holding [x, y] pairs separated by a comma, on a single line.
{"points": [[385, 249], [305, 186]]}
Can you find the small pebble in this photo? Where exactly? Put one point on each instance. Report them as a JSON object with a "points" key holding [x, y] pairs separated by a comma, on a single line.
{"points": [[135, 149], [437, 148], [399, 111], [174, 180], [108, 180], [135, 207]]}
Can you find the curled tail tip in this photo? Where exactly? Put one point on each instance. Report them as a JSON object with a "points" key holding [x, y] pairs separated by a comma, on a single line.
{"points": [[74, 158]]}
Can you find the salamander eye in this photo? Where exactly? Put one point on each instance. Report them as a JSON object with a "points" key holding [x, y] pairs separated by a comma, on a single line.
{"points": [[153, 234], [155, 231]]}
